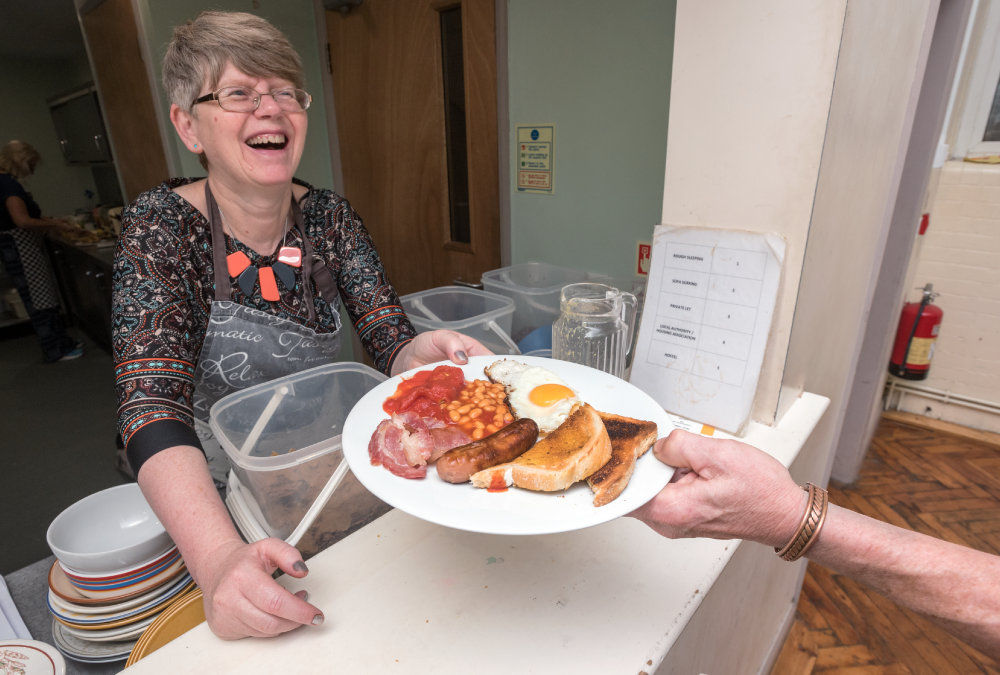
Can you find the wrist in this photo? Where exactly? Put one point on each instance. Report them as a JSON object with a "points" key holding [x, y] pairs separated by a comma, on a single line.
{"points": [[401, 363], [208, 567], [791, 508]]}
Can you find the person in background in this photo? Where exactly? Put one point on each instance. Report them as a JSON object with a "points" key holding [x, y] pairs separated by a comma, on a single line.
{"points": [[236, 280], [729, 490], [22, 252]]}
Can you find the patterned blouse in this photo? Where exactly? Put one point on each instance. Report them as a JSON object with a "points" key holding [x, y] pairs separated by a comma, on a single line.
{"points": [[163, 292]]}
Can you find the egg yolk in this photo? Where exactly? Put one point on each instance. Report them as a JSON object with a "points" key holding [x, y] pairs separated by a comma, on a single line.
{"points": [[547, 394]]}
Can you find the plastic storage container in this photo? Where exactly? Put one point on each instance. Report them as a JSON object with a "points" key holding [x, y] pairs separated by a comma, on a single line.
{"points": [[478, 314], [283, 440], [534, 288]]}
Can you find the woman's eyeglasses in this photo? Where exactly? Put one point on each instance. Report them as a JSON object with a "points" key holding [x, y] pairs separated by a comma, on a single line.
{"points": [[244, 99]]}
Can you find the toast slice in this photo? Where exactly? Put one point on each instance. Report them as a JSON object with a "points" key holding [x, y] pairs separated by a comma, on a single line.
{"points": [[630, 439], [576, 449]]}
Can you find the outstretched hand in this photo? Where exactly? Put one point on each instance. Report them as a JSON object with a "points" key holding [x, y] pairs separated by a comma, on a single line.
{"points": [[438, 345], [723, 490]]}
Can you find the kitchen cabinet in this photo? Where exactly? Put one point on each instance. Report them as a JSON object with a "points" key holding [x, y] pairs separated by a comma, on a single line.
{"points": [[80, 128], [109, 27], [84, 276]]}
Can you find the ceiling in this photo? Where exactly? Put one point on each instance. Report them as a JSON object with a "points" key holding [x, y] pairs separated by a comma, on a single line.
{"points": [[39, 29]]}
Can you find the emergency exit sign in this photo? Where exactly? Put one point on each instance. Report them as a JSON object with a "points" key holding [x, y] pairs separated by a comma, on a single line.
{"points": [[535, 149]]}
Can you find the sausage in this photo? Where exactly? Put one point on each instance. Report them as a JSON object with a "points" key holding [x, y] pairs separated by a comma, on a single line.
{"points": [[458, 465]]}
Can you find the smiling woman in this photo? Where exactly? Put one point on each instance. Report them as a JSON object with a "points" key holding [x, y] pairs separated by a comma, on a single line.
{"points": [[249, 251]]}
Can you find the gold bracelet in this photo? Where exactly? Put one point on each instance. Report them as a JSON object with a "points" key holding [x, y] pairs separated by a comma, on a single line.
{"points": [[808, 530]]}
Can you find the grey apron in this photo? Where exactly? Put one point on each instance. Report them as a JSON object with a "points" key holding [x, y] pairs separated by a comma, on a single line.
{"points": [[245, 346]]}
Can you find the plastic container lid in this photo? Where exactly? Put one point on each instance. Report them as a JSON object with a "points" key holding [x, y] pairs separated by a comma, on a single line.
{"points": [[455, 307], [299, 416], [534, 278], [542, 353]]}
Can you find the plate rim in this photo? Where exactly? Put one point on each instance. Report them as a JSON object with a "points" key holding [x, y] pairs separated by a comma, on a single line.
{"points": [[348, 433], [67, 650], [134, 615], [109, 632], [86, 601], [58, 663], [147, 600], [125, 574]]}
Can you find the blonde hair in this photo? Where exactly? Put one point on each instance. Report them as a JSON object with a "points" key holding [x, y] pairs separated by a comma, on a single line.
{"points": [[200, 50], [19, 159]]}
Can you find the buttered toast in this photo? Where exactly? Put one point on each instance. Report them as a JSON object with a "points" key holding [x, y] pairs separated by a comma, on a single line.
{"points": [[630, 439], [575, 450]]}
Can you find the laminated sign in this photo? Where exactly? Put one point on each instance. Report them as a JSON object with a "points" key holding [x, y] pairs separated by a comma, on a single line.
{"points": [[705, 322], [534, 158]]}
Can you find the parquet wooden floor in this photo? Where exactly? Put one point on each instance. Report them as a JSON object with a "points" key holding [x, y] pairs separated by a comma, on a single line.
{"points": [[922, 480]]}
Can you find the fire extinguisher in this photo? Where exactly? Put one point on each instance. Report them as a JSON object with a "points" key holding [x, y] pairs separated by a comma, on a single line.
{"points": [[915, 337]]}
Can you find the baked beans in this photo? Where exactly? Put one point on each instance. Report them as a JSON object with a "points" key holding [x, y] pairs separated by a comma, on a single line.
{"points": [[479, 409]]}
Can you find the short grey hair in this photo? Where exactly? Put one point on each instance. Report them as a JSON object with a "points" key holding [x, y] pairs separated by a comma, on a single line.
{"points": [[200, 49]]}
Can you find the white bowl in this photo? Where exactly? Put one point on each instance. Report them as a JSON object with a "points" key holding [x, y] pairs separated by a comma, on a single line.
{"points": [[111, 530]]}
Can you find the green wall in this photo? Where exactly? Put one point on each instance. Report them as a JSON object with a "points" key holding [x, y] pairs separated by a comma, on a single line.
{"points": [[600, 72], [24, 115], [296, 19]]}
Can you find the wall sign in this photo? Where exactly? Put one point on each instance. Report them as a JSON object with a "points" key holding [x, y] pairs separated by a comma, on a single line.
{"points": [[709, 303], [533, 159], [643, 252]]}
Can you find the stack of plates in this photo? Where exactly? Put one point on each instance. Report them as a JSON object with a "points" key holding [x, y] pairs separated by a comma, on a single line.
{"points": [[98, 617], [117, 569]]}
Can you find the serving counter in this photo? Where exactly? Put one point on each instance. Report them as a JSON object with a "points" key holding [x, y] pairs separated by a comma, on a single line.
{"points": [[402, 595], [84, 276]]}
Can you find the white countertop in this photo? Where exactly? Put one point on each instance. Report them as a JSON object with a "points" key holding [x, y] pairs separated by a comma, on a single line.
{"points": [[405, 596]]}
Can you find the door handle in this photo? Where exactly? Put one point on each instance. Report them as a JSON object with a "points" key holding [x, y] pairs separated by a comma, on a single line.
{"points": [[97, 143], [467, 284], [62, 146], [342, 6]]}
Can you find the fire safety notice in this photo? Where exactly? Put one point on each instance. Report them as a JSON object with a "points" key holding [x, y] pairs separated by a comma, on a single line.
{"points": [[534, 158]]}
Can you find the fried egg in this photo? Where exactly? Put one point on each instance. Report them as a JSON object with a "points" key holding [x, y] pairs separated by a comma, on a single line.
{"points": [[534, 392]]}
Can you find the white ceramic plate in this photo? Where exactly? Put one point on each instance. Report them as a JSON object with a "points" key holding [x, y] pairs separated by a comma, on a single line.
{"points": [[131, 635], [159, 579], [89, 652], [30, 657], [110, 612], [516, 511], [79, 618], [121, 633]]}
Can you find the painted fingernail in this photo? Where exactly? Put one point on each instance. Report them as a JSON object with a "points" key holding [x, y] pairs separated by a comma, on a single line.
{"points": [[318, 620], [303, 595], [461, 356], [300, 566]]}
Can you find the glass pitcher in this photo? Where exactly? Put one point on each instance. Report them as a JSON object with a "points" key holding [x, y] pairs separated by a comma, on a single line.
{"points": [[595, 327]]}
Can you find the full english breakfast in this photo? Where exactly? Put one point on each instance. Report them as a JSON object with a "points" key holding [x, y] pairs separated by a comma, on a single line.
{"points": [[523, 427]]}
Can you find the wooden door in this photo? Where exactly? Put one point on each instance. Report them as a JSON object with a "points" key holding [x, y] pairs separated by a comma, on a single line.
{"points": [[398, 142], [129, 110]]}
